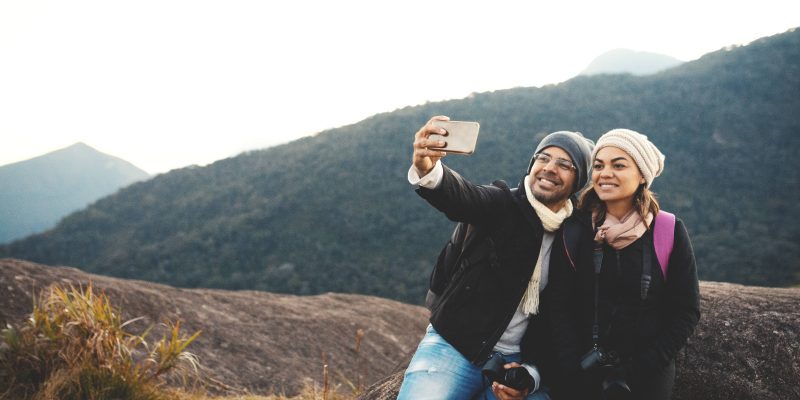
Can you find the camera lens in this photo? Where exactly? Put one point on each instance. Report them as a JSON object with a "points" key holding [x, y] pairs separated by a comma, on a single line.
{"points": [[518, 378], [592, 359]]}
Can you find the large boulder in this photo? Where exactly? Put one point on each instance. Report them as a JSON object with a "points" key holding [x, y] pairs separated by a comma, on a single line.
{"points": [[747, 346], [251, 342]]}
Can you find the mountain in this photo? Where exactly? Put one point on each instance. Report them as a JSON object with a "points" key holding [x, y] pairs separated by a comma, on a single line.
{"points": [[258, 342], [334, 212], [40, 191], [620, 61], [733, 355]]}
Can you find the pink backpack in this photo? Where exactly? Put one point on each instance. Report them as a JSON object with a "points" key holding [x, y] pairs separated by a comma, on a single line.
{"points": [[664, 239]]}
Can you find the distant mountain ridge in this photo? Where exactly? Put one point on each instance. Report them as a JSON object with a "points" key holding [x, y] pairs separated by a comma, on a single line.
{"points": [[40, 191], [619, 61], [334, 212]]}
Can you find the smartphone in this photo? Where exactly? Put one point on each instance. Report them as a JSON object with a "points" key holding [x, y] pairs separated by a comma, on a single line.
{"points": [[462, 136]]}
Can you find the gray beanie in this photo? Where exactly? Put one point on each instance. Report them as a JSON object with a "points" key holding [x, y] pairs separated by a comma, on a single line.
{"points": [[644, 153], [579, 149]]}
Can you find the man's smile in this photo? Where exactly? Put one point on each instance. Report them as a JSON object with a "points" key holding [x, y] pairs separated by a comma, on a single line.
{"points": [[547, 181]]}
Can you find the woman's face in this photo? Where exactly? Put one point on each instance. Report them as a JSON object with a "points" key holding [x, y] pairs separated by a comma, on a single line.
{"points": [[615, 177]]}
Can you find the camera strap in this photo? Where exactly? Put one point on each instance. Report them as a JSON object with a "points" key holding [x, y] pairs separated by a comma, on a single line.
{"points": [[597, 260], [647, 264]]}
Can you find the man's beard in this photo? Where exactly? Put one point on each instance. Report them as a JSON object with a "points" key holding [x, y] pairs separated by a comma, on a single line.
{"points": [[550, 198], [553, 197]]}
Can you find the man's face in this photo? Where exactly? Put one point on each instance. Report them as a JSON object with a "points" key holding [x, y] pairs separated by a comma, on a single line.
{"points": [[552, 181]]}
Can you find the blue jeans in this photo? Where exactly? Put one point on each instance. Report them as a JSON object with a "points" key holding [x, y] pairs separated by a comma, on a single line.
{"points": [[438, 371]]}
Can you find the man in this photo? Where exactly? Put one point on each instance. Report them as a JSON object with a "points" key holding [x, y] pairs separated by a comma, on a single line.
{"points": [[492, 306]]}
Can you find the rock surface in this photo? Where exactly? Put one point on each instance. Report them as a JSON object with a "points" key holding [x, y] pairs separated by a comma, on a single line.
{"points": [[746, 346], [256, 342]]}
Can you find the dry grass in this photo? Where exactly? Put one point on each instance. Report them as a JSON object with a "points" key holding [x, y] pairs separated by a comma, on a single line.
{"points": [[75, 346]]}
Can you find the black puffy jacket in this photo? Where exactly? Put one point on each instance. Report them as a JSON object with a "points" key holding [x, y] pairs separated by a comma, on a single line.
{"points": [[476, 307]]}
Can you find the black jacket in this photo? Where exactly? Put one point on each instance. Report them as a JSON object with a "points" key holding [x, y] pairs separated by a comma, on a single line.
{"points": [[646, 334], [476, 307]]}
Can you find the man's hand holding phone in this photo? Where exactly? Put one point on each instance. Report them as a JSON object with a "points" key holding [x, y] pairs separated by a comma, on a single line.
{"points": [[441, 136], [424, 158]]}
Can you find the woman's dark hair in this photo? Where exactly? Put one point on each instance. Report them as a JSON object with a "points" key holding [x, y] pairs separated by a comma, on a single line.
{"points": [[644, 202]]}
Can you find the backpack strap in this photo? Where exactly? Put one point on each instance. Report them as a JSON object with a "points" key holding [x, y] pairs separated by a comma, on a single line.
{"points": [[664, 239]]}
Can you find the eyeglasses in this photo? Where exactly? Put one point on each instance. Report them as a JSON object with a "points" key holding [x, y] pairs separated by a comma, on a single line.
{"points": [[564, 164]]}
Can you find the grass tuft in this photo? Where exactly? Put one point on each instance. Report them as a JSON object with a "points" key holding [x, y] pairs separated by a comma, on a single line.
{"points": [[75, 346]]}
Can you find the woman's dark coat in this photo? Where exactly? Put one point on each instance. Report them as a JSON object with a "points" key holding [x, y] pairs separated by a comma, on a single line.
{"points": [[647, 334]]}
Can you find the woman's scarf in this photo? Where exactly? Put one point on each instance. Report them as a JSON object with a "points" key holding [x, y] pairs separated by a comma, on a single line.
{"points": [[619, 233]]}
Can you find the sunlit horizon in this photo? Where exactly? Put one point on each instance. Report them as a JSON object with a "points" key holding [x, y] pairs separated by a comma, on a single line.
{"points": [[167, 84]]}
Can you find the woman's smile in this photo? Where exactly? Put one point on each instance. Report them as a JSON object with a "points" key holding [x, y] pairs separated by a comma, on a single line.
{"points": [[605, 186]]}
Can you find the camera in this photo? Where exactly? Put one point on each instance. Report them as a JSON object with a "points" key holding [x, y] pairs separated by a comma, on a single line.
{"points": [[615, 387], [597, 357], [516, 378]]}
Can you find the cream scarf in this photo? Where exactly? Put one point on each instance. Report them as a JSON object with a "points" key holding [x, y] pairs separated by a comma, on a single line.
{"points": [[551, 221]]}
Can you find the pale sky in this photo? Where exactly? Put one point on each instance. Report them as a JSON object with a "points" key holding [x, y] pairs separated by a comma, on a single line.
{"points": [[169, 83]]}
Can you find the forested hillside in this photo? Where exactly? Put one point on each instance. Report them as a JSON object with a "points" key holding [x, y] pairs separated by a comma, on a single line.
{"points": [[334, 212]]}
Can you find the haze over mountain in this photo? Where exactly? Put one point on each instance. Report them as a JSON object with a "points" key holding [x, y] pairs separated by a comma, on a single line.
{"points": [[40, 191], [620, 61], [334, 212]]}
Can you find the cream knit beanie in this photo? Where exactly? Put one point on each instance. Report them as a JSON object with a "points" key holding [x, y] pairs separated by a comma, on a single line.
{"points": [[644, 153]]}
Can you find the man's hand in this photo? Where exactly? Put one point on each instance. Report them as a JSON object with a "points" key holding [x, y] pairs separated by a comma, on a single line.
{"points": [[504, 392], [424, 159]]}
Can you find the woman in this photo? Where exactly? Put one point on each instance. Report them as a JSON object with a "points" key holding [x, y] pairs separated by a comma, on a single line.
{"points": [[620, 326]]}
